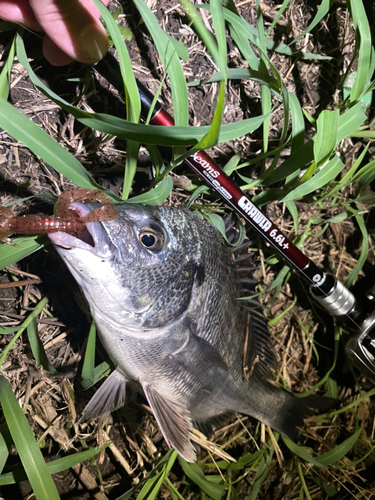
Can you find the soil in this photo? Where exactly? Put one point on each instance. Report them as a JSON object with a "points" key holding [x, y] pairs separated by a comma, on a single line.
{"points": [[53, 403]]}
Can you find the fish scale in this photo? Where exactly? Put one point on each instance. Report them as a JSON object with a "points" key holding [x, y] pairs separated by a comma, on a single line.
{"points": [[170, 318]]}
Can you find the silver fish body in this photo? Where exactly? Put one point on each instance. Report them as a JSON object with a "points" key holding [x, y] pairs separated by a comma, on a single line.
{"points": [[164, 294]]}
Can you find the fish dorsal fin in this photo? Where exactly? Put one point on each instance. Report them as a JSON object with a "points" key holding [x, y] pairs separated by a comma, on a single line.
{"points": [[259, 358], [174, 422], [109, 397]]}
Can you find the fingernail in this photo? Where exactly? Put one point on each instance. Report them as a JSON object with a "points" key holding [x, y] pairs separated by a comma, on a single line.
{"points": [[92, 44]]}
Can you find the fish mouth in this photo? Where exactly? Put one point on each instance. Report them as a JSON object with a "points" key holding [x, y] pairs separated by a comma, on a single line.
{"points": [[93, 238]]}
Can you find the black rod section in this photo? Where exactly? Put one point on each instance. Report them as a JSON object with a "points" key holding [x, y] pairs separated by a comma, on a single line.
{"points": [[331, 294]]}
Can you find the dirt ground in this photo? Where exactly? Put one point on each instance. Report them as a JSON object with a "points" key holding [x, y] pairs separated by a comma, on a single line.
{"points": [[53, 402]]}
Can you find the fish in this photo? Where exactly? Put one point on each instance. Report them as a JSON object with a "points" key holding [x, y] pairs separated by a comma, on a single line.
{"points": [[165, 294]]}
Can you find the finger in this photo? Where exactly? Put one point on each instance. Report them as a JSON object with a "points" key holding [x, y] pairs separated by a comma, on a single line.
{"points": [[54, 54], [74, 27], [20, 12]]}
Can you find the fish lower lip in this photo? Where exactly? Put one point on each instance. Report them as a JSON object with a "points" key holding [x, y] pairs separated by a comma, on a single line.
{"points": [[93, 238]]}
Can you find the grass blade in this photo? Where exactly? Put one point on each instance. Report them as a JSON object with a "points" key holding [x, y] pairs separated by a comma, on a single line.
{"points": [[365, 67], [155, 196], [266, 110], [280, 12], [37, 347], [205, 35], [245, 48], [132, 100], [240, 74], [31, 457], [88, 367], [211, 138], [340, 450], [291, 206], [38, 308], [6, 330], [99, 372], [364, 247], [166, 462], [219, 27], [348, 122], [171, 62], [302, 453], [5, 445], [55, 466], [28, 133], [326, 136], [298, 122], [366, 175], [194, 472], [323, 177], [262, 471], [6, 72], [151, 488], [19, 249], [321, 12], [251, 33]]}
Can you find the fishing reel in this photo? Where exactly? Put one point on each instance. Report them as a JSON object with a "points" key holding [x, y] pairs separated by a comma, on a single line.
{"points": [[361, 346], [358, 317]]}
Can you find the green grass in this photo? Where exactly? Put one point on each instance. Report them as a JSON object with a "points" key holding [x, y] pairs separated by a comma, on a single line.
{"points": [[311, 171]]}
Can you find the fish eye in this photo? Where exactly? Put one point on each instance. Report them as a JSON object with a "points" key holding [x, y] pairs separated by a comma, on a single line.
{"points": [[150, 239]]}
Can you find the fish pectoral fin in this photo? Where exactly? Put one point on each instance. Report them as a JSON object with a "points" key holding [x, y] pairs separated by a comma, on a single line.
{"points": [[196, 351], [210, 355], [174, 422], [109, 397]]}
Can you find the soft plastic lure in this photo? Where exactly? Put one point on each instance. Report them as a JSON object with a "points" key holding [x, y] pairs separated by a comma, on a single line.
{"points": [[65, 220]]}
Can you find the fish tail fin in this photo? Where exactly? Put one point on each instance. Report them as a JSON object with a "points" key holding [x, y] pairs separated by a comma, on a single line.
{"points": [[278, 408], [297, 409]]}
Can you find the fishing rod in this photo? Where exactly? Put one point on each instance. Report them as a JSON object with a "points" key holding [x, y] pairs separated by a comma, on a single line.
{"points": [[326, 290]]}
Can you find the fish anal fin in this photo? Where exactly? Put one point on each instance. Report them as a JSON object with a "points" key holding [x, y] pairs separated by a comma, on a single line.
{"points": [[109, 397], [174, 422]]}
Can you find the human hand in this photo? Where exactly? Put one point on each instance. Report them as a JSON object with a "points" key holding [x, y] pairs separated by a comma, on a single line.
{"points": [[73, 28]]}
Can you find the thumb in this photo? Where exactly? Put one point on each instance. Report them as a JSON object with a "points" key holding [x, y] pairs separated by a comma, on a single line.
{"points": [[73, 26]]}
